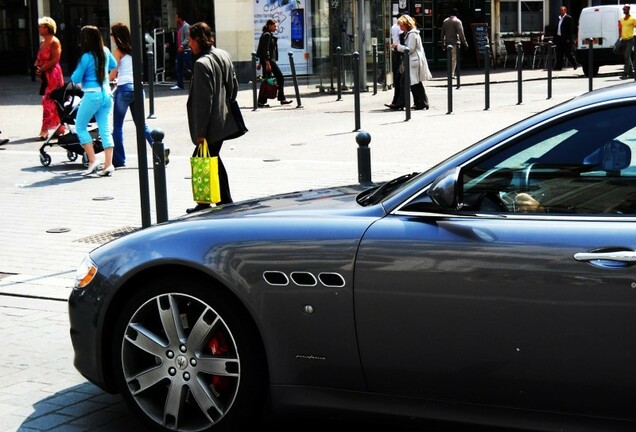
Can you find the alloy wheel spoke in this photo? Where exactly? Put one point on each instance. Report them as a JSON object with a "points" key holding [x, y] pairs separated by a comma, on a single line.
{"points": [[205, 399], [146, 340], [201, 330], [147, 379], [216, 366], [174, 401], [170, 320]]}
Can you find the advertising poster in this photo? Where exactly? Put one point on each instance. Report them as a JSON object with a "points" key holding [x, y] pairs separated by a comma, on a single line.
{"points": [[291, 17]]}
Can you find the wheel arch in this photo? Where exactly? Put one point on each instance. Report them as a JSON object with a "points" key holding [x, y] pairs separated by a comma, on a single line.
{"points": [[157, 272]]}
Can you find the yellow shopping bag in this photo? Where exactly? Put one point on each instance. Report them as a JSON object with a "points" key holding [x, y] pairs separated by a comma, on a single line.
{"points": [[205, 176]]}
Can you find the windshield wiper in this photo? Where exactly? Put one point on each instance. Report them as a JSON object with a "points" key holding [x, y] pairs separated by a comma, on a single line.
{"points": [[375, 195]]}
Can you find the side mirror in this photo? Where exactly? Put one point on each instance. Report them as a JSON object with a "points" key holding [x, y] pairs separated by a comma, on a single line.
{"points": [[444, 191]]}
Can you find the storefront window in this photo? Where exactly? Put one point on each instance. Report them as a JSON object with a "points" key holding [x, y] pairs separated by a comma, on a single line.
{"points": [[521, 16]]}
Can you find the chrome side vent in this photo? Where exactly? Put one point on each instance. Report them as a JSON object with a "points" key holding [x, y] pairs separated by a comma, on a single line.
{"points": [[303, 279], [332, 280], [276, 278]]}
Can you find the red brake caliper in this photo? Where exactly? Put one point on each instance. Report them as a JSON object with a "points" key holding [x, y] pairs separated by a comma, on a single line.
{"points": [[218, 347]]}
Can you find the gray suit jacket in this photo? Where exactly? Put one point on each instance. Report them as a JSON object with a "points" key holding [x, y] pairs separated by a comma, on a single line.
{"points": [[212, 87]]}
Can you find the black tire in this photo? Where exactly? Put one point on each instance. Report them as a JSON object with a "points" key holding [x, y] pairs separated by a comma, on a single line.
{"points": [[45, 159], [181, 372], [71, 155]]}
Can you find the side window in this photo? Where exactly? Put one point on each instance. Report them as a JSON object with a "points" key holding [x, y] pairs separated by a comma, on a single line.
{"points": [[581, 165]]}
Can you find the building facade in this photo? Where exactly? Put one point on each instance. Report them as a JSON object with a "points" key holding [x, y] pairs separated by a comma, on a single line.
{"points": [[311, 30]]}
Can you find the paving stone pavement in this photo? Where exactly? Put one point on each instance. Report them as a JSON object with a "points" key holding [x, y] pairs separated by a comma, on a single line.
{"points": [[288, 148]]}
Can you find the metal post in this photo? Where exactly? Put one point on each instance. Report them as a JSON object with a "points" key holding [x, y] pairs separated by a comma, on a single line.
{"points": [[137, 49], [519, 73], [254, 81], [364, 157], [590, 62], [406, 78], [375, 69], [159, 161], [338, 71], [151, 83], [295, 78], [449, 78], [458, 71], [356, 88], [486, 51], [549, 60]]}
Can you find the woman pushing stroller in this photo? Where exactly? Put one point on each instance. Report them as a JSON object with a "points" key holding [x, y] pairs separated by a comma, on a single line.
{"points": [[92, 72]]}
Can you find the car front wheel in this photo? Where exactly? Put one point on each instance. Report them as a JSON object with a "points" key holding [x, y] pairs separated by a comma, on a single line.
{"points": [[186, 360]]}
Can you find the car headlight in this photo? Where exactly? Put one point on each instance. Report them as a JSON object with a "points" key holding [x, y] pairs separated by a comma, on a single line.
{"points": [[85, 272]]}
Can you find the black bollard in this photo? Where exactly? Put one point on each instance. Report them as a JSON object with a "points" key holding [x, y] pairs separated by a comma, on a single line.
{"points": [[295, 78], [375, 69], [364, 157], [486, 50], [458, 70], [549, 60], [338, 73], [406, 79], [254, 81], [151, 84], [449, 78], [519, 73], [159, 170], [356, 88], [590, 63]]}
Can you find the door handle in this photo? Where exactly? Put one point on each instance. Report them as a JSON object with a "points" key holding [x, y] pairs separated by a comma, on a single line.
{"points": [[622, 256]]}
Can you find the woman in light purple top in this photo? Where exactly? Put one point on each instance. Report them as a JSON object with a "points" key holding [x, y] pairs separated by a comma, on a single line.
{"points": [[92, 72]]}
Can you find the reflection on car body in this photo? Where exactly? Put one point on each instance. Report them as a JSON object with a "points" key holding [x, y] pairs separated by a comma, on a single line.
{"points": [[437, 295]]}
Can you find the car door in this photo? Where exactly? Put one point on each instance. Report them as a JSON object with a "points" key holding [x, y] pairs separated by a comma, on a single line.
{"points": [[497, 304]]}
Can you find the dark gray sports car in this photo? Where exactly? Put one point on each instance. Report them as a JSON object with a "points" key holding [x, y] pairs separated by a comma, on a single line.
{"points": [[498, 288]]}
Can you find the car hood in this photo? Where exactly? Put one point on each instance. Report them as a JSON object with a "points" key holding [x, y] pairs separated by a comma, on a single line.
{"points": [[339, 200]]}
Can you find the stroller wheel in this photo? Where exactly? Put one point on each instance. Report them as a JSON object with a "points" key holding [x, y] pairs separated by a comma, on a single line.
{"points": [[72, 156], [45, 159]]}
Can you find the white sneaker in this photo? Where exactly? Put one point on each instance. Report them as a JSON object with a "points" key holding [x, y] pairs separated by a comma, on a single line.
{"points": [[176, 87]]}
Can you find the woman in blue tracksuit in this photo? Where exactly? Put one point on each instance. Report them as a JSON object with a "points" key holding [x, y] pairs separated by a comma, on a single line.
{"points": [[92, 72]]}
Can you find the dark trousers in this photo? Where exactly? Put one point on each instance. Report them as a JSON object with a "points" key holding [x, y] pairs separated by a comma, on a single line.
{"points": [[280, 81], [420, 100], [224, 183], [398, 98], [183, 63], [563, 49]]}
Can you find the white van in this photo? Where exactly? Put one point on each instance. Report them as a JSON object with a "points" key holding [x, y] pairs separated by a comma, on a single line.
{"points": [[599, 23]]}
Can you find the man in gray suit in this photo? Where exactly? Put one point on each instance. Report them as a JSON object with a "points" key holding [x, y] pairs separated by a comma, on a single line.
{"points": [[452, 33], [213, 85]]}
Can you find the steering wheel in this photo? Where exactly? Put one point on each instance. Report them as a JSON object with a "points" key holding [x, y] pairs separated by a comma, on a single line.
{"points": [[525, 178]]}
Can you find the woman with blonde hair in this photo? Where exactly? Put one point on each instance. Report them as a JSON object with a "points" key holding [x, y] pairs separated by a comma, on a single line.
{"points": [[418, 66], [47, 67]]}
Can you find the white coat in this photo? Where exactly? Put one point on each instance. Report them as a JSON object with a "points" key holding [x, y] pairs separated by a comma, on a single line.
{"points": [[418, 66]]}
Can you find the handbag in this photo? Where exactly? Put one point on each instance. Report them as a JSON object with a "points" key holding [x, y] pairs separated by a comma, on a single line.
{"points": [[205, 176], [269, 88], [235, 111], [618, 47]]}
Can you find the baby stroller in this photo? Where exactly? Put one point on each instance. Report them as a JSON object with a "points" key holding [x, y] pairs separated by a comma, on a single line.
{"points": [[67, 100]]}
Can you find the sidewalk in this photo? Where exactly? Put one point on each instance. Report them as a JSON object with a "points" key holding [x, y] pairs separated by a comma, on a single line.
{"points": [[52, 216]]}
